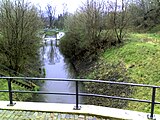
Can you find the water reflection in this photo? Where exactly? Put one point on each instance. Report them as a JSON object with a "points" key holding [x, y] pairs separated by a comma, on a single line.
{"points": [[69, 67], [57, 67], [50, 53], [53, 56]]}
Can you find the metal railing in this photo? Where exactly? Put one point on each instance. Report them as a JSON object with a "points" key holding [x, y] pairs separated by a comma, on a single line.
{"points": [[77, 94]]}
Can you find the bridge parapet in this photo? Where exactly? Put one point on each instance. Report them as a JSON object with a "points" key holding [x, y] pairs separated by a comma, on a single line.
{"points": [[86, 110], [107, 112]]}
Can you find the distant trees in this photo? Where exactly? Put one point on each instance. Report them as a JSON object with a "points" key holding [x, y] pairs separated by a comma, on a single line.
{"points": [[51, 18], [50, 11], [59, 23], [19, 24], [144, 14]]}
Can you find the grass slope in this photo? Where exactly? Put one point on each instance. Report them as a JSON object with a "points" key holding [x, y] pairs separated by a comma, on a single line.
{"points": [[16, 96], [141, 57]]}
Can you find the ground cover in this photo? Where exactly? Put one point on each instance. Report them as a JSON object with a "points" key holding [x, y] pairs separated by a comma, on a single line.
{"points": [[141, 57]]}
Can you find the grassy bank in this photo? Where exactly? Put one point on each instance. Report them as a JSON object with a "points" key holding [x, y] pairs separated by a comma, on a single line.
{"points": [[140, 56], [16, 96]]}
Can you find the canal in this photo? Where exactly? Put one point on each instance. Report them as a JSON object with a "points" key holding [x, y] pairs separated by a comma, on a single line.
{"points": [[56, 67]]}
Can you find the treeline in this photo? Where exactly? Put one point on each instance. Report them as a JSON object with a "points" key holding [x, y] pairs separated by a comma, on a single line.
{"points": [[19, 42], [98, 25], [93, 28], [50, 19], [144, 14]]}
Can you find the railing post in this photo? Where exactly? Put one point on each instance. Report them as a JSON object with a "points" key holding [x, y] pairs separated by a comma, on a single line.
{"points": [[10, 93], [152, 104], [77, 102]]}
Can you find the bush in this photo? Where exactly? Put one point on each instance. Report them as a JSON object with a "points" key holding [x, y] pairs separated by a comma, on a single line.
{"points": [[84, 36]]}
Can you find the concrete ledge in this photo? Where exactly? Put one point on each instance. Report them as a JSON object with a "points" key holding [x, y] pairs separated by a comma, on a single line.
{"points": [[85, 109]]}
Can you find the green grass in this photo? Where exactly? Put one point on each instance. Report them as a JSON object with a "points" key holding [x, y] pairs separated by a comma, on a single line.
{"points": [[153, 38], [142, 60], [143, 56], [49, 32], [16, 96]]}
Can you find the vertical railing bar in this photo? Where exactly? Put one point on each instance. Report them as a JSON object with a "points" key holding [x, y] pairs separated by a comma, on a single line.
{"points": [[10, 93], [77, 95], [153, 104], [77, 107]]}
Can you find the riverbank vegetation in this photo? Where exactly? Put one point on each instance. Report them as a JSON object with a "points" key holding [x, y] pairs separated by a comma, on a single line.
{"points": [[91, 30], [19, 44], [117, 41]]}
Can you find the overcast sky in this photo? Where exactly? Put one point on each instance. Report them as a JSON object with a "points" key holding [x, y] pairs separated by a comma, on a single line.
{"points": [[72, 5]]}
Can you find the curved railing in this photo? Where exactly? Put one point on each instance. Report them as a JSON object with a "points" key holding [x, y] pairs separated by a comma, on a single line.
{"points": [[77, 94]]}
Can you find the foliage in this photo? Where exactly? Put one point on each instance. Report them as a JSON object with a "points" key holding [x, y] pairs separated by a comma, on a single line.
{"points": [[118, 19], [16, 96], [87, 33], [19, 43], [155, 29], [144, 14], [19, 23], [59, 22]]}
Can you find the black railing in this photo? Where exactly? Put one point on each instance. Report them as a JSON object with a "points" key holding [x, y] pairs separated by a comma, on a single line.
{"points": [[77, 94]]}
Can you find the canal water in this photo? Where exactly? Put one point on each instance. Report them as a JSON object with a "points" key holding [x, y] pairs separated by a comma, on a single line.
{"points": [[56, 67]]}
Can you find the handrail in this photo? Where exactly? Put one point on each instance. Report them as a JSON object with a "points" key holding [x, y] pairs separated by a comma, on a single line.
{"points": [[77, 94], [83, 80]]}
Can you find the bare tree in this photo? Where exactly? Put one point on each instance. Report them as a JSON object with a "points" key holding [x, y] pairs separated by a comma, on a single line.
{"points": [[93, 20], [41, 13], [144, 14], [65, 9], [51, 10], [119, 19], [19, 23]]}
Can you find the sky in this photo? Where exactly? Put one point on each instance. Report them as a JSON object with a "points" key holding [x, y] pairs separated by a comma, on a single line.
{"points": [[72, 5]]}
